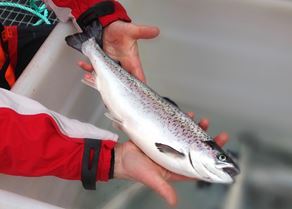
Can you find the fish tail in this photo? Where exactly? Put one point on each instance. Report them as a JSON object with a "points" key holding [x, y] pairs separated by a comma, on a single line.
{"points": [[93, 30]]}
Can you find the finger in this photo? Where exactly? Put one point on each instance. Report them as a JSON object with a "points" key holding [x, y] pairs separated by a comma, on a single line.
{"points": [[191, 115], [134, 66], [164, 189], [85, 66], [144, 32], [221, 138], [204, 124]]}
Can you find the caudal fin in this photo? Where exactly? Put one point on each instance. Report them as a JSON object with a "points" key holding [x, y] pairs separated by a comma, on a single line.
{"points": [[93, 30]]}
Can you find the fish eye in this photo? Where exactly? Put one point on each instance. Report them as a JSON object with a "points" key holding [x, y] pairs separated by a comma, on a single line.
{"points": [[222, 157]]}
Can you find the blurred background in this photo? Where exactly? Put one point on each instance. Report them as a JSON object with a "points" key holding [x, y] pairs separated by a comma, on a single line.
{"points": [[227, 60]]}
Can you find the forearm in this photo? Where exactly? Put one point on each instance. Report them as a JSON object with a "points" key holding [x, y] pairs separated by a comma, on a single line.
{"points": [[38, 142], [73, 9]]}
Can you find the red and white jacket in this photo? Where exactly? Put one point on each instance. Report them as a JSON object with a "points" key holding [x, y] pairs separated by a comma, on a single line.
{"points": [[35, 141]]}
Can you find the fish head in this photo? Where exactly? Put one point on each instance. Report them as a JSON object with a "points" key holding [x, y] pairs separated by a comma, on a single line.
{"points": [[212, 164]]}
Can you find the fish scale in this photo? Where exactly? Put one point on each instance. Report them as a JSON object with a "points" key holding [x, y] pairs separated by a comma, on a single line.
{"points": [[157, 104], [160, 129]]}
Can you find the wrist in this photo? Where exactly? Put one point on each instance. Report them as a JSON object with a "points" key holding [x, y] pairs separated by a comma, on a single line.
{"points": [[104, 12], [119, 14], [96, 162], [106, 162], [118, 162]]}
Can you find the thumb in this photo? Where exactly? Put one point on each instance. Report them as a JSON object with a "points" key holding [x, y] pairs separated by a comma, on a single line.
{"points": [[144, 32]]}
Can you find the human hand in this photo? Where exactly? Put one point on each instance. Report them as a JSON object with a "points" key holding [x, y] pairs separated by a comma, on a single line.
{"points": [[131, 163], [120, 43]]}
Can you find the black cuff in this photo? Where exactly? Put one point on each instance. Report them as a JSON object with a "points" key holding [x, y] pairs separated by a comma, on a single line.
{"points": [[100, 9], [89, 167], [111, 171]]}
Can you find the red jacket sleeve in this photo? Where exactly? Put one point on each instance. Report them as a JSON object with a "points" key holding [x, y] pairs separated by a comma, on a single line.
{"points": [[77, 7], [35, 141]]}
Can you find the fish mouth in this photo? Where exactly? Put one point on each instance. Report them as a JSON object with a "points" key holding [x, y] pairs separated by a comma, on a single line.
{"points": [[232, 172], [213, 176]]}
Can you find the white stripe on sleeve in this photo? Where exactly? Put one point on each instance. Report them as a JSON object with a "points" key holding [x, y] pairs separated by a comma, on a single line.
{"points": [[69, 127]]}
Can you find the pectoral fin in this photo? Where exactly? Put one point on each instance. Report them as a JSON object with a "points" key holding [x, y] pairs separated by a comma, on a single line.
{"points": [[169, 150]]}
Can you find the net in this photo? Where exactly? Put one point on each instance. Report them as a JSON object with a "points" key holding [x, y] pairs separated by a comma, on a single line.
{"points": [[17, 16]]}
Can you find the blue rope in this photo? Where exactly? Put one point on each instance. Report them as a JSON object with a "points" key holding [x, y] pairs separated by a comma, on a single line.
{"points": [[43, 18], [40, 9]]}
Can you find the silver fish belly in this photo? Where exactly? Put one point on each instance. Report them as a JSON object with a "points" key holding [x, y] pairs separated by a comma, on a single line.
{"points": [[144, 115], [160, 129]]}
